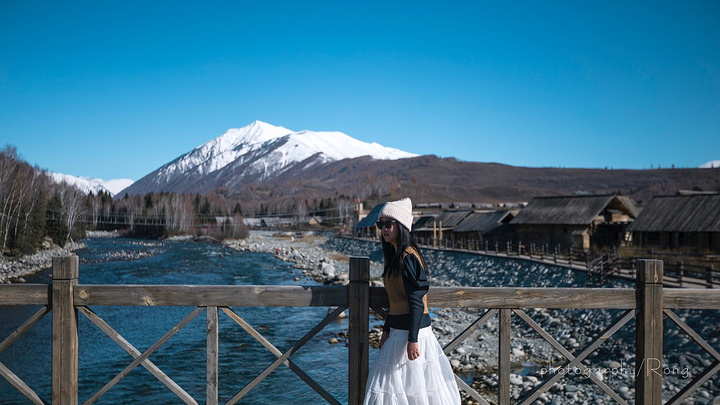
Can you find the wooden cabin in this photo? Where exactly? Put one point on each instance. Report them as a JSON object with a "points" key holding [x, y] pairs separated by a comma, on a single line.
{"points": [[578, 221], [679, 221], [440, 227], [471, 231], [366, 228]]}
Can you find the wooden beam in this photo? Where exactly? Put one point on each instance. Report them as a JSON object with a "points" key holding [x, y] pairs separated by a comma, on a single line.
{"points": [[65, 331], [25, 294], [211, 295]]}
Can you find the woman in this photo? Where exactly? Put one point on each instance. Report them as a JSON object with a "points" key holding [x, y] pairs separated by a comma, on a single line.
{"points": [[411, 367]]}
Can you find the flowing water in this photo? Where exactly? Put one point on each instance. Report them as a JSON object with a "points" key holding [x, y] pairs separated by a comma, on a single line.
{"points": [[182, 358]]}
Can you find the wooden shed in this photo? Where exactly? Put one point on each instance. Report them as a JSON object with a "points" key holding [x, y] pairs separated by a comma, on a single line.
{"points": [[679, 221], [578, 221]]}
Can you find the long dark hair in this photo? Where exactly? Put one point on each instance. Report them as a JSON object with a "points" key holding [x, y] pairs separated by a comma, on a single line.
{"points": [[393, 259]]}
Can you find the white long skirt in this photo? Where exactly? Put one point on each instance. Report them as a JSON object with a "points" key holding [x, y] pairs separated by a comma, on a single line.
{"points": [[427, 380]]}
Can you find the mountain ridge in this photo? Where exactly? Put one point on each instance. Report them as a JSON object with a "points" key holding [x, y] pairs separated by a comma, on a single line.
{"points": [[263, 163], [255, 153]]}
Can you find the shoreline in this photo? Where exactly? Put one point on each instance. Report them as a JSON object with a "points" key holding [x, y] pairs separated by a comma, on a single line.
{"points": [[15, 269]]}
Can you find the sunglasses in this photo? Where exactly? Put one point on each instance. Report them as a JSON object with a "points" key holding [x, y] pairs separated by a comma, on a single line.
{"points": [[388, 223]]}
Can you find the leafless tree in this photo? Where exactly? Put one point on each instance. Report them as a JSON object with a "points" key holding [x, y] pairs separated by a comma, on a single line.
{"points": [[72, 204]]}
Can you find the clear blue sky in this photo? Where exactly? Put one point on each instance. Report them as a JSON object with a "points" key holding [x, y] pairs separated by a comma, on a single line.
{"points": [[117, 89]]}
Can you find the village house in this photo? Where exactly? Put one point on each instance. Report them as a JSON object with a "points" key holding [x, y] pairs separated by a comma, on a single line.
{"points": [[678, 222], [472, 232], [577, 221], [439, 228], [365, 228]]}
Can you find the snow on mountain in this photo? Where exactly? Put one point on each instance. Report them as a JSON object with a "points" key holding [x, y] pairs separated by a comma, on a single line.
{"points": [[87, 184], [279, 148], [710, 165]]}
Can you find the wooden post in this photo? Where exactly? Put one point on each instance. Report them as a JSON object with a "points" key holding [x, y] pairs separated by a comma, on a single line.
{"points": [[64, 331], [710, 271], [213, 333], [359, 319], [504, 357], [649, 331], [681, 273]]}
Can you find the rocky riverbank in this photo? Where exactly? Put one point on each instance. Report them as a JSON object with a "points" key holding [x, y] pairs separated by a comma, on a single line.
{"points": [[15, 269], [325, 259]]}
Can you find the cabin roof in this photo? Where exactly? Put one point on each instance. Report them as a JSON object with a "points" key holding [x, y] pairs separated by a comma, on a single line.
{"points": [[481, 221], [371, 218], [449, 220], [679, 213], [422, 221], [571, 210]]}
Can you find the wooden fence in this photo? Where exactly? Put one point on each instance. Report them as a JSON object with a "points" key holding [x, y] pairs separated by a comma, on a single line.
{"points": [[650, 303], [598, 264]]}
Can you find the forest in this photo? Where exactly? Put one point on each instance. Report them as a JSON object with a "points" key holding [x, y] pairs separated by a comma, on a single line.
{"points": [[34, 210]]}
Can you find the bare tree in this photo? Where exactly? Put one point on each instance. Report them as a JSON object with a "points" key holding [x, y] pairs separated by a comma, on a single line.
{"points": [[72, 205]]}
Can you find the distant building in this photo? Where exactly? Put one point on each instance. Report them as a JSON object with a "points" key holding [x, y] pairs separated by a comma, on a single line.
{"points": [[366, 227], [579, 221], [473, 231], [440, 227], [679, 221]]}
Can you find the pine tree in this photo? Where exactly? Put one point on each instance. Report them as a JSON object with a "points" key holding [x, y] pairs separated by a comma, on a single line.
{"points": [[56, 226]]}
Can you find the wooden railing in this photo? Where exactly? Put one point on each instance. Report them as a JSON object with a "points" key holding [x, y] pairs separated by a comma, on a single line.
{"points": [[600, 264], [650, 303]]}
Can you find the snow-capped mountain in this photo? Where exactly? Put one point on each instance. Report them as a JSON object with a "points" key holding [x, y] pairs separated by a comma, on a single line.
{"points": [[710, 165], [87, 184], [255, 153]]}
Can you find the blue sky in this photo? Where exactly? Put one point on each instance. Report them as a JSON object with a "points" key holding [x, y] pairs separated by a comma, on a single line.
{"points": [[117, 89]]}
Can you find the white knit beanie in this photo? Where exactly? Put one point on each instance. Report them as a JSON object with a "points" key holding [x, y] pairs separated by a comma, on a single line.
{"points": [[400, 211]]}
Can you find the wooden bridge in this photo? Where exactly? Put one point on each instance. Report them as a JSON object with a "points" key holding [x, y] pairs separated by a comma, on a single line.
{"points": [[649, 304]]}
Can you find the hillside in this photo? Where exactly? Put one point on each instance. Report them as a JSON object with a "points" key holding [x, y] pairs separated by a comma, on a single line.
{"points": [[433, 179]]}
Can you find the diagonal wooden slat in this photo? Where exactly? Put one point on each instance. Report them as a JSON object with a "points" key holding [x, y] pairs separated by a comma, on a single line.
{"points": [[464, 335], [300, 343], [707, 373], [20, 385], [459, 339], [692, 334], [463, 386], [274, 350], [132, 351], [144, 355], [575, 361], [696, 383], [268, 345], [29, 323]]}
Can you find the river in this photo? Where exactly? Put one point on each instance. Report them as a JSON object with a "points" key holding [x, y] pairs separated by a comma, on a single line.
{"points": [[107, 261]]}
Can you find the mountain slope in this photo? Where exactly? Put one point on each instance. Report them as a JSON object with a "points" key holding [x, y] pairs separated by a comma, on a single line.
{"points": [[434, 179], [255, 153]]}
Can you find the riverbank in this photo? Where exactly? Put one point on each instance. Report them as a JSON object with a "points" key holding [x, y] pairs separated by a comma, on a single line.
{"points": [[15, 269]]}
